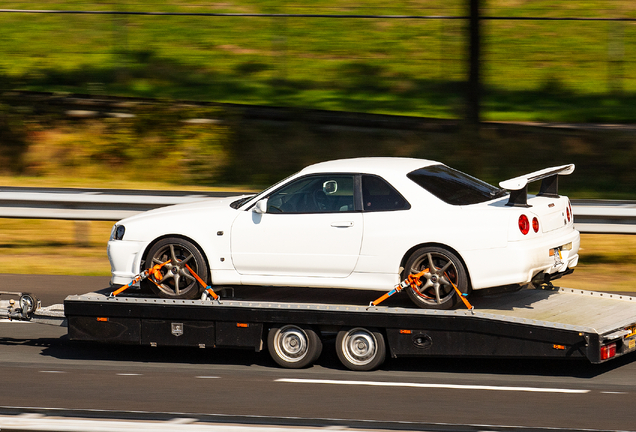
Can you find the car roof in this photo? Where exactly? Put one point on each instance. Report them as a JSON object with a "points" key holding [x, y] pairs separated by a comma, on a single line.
{"points": [[386, 166]]}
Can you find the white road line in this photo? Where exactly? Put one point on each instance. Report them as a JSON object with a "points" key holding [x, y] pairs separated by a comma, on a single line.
{"points": [[129, 374], [52, 371], [260, 423], [439, 386], [613, 392], [207, 377]]}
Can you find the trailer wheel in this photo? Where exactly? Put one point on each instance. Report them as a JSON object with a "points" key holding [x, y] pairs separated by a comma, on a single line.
{"points": [[294, 347], [444, 269], [360, 349], [176, 282]]}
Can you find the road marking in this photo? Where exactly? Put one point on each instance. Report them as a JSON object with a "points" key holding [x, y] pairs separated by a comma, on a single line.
{"points": [[613, 392], [439, 386], [226, 422], [207, 377], [52, 371], [129, 374]]}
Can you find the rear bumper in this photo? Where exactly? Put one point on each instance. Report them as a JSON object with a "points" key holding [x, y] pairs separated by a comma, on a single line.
{"points": [[520, 262]]}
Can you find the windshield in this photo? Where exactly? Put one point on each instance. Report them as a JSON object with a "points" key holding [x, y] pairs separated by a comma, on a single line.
{"points": [[253, 198], [454, 187]]}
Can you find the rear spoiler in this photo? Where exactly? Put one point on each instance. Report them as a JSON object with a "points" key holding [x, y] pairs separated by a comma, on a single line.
{"points": [[549, 177]]}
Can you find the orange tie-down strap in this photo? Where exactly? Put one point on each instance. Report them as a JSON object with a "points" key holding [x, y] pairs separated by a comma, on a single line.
{"points": [[460, 294], [412, 280], [207, 287], [154, 270]]}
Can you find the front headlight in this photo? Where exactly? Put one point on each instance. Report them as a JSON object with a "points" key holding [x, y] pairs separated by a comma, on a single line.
{"points": [[117, 233]]}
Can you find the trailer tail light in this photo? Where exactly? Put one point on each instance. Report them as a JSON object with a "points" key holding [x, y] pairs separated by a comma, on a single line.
{"points": [[524, 224], [608, 351], [535, 225]]}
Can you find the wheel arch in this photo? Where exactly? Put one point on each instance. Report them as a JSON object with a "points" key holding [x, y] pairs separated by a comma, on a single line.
{"points": [[181, 236], [410, 252]]}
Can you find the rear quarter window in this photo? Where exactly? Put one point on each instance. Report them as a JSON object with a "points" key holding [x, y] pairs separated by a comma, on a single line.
{"points": [[452, 186], [378, 195]]}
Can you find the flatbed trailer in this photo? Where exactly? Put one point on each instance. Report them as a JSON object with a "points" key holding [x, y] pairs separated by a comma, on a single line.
{"points": [[530, 323]]}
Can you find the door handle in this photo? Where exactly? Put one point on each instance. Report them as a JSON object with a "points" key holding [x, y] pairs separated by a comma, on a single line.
{"points": [[346, 224]]}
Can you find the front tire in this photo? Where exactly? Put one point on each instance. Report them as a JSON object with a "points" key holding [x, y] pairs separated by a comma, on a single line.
{"points": [[293, 347], [360, 349], [176, 282], [443, 270]]}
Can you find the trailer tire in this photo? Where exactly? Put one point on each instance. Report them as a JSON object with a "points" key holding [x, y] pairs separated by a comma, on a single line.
{"points": [[178, 283], [436, 291], [294, 347], [360, 349]]}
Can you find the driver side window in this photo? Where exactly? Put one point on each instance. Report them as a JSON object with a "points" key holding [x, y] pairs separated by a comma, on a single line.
{"points": [[314, 194]]}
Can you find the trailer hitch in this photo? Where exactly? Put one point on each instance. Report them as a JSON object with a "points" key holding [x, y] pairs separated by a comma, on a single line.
{"points": [[23, 310]]}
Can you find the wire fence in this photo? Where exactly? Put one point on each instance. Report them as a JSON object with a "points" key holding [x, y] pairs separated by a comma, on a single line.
{"points": [[396, 62]]}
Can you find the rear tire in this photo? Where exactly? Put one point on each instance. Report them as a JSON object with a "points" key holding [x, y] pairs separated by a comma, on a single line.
{"points": [[294, 347], [444, 269]]}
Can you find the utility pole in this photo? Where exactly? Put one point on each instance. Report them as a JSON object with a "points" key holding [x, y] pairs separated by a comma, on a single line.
{"points": [[474, 81]]}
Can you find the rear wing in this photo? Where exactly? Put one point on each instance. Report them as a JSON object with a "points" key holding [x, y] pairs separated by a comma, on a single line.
{"points": [[549, 177]]}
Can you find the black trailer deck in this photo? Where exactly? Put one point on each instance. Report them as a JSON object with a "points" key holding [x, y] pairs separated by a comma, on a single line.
{"points": [[555, 323]]}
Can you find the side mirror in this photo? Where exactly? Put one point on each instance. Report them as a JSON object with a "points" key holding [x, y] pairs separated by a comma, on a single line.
{"points": [[260, 207]]}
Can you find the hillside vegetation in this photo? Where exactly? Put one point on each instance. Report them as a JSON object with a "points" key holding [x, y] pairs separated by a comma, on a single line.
{"points": [[532, 70]]}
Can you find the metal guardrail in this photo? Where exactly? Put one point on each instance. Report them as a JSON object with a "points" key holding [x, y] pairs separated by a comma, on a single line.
{"points": [[604, 216], [91, 204], [590, 216]]}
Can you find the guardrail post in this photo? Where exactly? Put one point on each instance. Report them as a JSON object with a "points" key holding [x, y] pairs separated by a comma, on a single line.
{"points": [[82, 233], [474, 84]]}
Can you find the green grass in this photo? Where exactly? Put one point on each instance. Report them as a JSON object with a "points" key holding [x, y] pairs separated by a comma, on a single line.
{"points": [[532, 70], [606, 264]]}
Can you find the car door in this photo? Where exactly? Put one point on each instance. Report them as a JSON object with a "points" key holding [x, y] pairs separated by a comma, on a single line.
{"points": [[312, 227]]}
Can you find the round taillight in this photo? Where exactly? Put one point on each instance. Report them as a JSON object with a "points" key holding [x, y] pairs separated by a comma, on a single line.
{"points": [[535, 225], [524, 224]]}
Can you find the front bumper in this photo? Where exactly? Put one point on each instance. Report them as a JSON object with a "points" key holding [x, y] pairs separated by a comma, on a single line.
{"points": [[125, 260]]}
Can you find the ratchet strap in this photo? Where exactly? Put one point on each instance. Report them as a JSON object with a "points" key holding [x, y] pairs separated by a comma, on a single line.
{"points": [[152, 271], [413, 281], [461, 295], [208, 288]]}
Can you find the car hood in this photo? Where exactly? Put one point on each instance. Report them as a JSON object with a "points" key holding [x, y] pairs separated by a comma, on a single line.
{"points": [[182, 210]]}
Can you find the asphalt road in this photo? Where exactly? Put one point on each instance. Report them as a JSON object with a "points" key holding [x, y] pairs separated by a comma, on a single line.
{"points": [[42, 370]]}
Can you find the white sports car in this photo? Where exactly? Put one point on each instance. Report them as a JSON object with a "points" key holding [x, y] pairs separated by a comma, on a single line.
{"points": [[359, 224]]}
